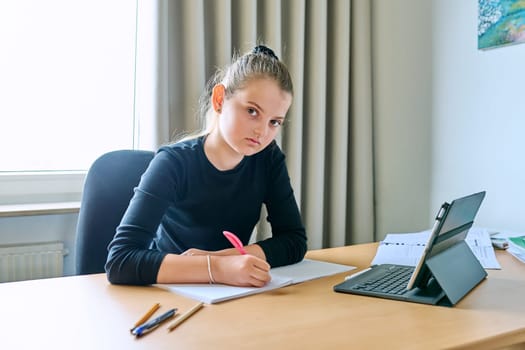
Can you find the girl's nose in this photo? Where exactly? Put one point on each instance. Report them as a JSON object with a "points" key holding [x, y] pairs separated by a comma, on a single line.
{"points": [[260, 129]]}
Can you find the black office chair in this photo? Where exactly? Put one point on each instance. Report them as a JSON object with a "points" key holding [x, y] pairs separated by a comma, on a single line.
{"points": [[107, 191]]}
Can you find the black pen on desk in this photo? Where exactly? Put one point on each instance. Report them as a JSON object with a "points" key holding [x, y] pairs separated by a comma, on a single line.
{"points": [[153, 324]]}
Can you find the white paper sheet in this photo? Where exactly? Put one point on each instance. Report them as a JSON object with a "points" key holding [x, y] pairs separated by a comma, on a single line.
{"points": [[281, 276]]}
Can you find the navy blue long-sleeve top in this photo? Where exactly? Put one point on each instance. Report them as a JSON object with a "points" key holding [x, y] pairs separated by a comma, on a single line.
{"points": [[183, 201]]}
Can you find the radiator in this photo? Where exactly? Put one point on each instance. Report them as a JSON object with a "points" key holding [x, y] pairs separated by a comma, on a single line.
{"points": [[31, 261]]}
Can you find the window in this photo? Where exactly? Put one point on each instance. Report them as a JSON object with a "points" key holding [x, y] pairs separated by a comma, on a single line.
{"points": [[67, 88]]}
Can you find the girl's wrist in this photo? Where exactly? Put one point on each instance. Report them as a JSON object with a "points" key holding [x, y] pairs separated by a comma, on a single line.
{"points": [[210, 273], [227, 251]]}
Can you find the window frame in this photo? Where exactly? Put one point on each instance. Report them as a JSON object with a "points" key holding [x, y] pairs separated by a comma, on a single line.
{"points": [[33, 187], [41, 187]]}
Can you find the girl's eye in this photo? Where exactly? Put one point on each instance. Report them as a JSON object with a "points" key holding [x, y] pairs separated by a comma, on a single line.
{"points": [[276, 122], [252, 112]]}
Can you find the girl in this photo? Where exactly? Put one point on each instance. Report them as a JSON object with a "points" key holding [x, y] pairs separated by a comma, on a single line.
{"points": [[196, 188]]}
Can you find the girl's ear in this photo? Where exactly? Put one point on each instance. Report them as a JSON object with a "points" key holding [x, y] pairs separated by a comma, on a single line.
{"points": [[217, 97]]}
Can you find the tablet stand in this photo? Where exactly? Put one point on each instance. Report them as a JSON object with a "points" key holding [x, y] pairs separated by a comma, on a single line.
{"points": [[456, 270]]}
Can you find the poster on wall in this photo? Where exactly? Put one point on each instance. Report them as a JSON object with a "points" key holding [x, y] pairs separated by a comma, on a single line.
{"points": [[500, 23]]}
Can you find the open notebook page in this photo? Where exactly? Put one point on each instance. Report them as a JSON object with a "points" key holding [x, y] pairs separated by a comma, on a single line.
{"points": [[281, 276]]}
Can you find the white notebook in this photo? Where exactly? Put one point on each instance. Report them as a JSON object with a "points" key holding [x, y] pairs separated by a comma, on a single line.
{"points": [[281, 276]]}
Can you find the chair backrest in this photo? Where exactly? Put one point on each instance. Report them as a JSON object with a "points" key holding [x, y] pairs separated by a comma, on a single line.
{"points": [[108, 189]]}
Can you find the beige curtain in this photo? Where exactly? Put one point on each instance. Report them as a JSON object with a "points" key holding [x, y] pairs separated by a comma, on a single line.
{"points": [[328, 136]]}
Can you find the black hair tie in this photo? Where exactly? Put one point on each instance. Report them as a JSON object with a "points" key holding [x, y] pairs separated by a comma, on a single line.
{"points": [[265, 50]]}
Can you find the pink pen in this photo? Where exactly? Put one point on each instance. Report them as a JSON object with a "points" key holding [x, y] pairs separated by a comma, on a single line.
{"points": [[235, 241]]}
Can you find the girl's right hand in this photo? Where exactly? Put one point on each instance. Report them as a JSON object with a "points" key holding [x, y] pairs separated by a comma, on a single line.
{"points": [[240, 270]]}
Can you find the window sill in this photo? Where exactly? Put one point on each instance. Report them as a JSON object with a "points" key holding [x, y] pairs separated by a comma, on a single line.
{"points": [[13, 210]]}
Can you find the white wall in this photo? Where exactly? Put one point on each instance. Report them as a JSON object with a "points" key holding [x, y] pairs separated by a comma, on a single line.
{"points": [[450, 118], [42, 228], [478, 117]]}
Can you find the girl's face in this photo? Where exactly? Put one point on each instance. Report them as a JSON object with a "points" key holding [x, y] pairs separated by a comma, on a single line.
{"points": [[251, 118]]}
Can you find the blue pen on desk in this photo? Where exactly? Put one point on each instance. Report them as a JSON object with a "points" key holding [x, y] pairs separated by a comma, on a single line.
{"points": [[153, 324]]}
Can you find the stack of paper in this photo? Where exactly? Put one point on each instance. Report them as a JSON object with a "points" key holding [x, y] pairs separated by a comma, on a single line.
{"points": [[281, 276], [407, 248], [517, 247]]}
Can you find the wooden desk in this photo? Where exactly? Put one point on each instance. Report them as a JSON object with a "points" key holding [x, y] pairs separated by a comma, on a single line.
{"points": [[86, 312]]}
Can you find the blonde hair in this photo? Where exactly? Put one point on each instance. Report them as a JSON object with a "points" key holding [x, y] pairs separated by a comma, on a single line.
{"points": [[261, 62]]}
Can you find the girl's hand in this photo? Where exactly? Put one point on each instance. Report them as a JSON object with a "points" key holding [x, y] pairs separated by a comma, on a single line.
{"points": [[240, 270], [228, 267]]}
